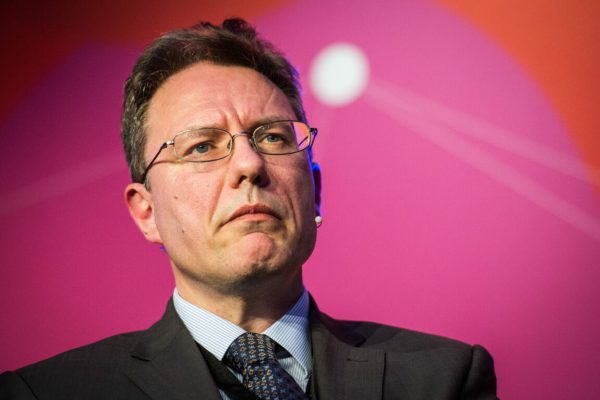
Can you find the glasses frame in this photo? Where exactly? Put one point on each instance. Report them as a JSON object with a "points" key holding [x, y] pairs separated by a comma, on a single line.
{"points": [[312, 134]]}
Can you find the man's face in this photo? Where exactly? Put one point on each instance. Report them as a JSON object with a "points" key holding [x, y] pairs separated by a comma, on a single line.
{"points": [[227, 222]]}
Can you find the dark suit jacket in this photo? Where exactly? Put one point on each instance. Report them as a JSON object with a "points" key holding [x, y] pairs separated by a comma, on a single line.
{"points": [[352, 360]]}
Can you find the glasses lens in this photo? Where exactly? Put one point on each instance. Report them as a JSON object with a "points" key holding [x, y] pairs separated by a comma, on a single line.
{"points": [[202, 145], [284, 137]]}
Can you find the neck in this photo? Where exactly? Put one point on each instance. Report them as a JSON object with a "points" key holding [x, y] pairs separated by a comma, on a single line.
{"points": [[252, 306]]}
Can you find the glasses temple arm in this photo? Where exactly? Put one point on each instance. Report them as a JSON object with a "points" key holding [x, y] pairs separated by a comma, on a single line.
{"points": [[162, 147]]}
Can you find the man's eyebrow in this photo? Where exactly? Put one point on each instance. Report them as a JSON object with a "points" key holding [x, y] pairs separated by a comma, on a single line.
{"points": [[250, 128], [255, 123], [267, 120]]}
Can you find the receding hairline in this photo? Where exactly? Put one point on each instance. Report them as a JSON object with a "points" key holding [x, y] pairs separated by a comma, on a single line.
{"points": [[233, 43], [215, 118], [263, 118]]}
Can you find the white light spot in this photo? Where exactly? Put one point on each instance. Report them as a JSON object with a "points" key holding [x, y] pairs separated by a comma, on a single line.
{"points": [[339, 74]]}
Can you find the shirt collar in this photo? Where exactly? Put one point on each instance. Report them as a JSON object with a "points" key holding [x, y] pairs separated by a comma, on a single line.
{"points": [[292, 333], [216, 334]]}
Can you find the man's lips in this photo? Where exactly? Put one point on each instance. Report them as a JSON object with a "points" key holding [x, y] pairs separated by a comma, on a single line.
{"points": [[253, 210]]}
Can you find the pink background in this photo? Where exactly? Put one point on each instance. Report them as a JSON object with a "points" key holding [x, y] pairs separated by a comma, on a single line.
{"points": [[460, 194]]}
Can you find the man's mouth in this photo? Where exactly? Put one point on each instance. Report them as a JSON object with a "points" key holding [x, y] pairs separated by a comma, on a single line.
{"points": [[253, 212]]}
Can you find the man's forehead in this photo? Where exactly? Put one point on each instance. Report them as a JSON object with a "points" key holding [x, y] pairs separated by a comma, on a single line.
{"points": [[220, 121], [212, 95], [219, 80]]}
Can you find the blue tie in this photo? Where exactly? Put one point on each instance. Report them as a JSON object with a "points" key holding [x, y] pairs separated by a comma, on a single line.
{"points": [[253, 355]]}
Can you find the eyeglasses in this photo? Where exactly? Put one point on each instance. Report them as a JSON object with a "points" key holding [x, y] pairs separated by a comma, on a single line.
{"points": [[212, 144]]}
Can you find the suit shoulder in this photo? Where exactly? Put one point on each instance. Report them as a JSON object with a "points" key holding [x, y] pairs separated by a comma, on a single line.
{"points": [[94, 368], [394, 338], [417, 362], [113, 350]]}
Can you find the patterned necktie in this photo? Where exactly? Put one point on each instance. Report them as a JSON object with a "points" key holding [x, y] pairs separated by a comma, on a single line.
{"points": [[253, 355]]}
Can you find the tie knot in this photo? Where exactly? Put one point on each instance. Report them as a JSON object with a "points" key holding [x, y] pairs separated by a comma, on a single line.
{"points": [[249, 348]]}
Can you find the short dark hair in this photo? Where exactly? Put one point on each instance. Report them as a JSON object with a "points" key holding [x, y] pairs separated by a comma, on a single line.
{"points": [[234, 42]]}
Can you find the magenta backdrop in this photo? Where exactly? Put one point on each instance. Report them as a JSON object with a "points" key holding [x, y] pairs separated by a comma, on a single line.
{"points": [[454, 201]]}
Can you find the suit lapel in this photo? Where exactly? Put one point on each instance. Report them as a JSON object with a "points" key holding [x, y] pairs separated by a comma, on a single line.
{"points": [[169, 365], [341, 369]]}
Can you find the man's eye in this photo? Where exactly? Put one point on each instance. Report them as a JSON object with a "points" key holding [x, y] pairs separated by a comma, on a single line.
{"points": [[272, 138], [202, 148], [197, 149]]}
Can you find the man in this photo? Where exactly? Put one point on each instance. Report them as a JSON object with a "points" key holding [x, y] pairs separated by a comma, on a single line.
{"points": [[220, 156]]}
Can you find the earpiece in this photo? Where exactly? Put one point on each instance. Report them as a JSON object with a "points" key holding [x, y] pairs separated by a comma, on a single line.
{"points": [[318, 220]]}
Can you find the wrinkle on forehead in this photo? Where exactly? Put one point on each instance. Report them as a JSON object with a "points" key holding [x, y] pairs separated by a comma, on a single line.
{"points": [[239, 97], [234, 111]]}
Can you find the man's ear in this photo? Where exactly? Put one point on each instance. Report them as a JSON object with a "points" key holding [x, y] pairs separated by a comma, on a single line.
{"points": [[141, 208], [316, 171]]}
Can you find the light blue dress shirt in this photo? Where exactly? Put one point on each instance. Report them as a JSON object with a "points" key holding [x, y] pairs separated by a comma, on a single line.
{"points": [[216, 334]]}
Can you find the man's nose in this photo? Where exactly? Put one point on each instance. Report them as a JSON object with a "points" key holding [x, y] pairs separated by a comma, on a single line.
{"points": [[245, 163]]}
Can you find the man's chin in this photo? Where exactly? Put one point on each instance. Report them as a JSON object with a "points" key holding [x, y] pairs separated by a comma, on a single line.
{"points": [[249, 276], [256, 251], [256, 245], [258, 254]]}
